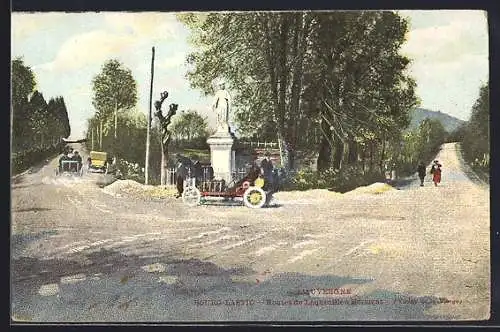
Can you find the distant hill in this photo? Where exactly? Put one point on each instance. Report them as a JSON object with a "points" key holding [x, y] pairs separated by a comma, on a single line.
{"points": [[449, 122]]}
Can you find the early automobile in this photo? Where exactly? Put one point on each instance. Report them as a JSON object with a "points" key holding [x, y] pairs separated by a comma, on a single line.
{"points": [[251, 189], [98, 162], [69, 167]]}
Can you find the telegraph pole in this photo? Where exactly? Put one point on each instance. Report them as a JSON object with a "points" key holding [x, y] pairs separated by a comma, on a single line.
{"points": [[148, 135]]}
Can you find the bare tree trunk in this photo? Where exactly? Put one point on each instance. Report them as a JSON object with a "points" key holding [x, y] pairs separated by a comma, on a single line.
{"points": [[338, 154], [353, 153], [324, 156], [164, 164], [382, 155], [371, 156], [100, 137], [116, 118]]}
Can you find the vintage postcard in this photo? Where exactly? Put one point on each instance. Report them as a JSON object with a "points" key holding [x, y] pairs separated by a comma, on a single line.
{"points": [[250, 166]]}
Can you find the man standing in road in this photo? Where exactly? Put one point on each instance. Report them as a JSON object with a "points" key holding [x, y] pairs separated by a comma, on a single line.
{"points": [[421, 173], [267, 170], [184, 166]]}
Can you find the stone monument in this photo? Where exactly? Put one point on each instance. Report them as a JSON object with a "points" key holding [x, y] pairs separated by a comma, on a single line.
{"points": [[222, 155]]}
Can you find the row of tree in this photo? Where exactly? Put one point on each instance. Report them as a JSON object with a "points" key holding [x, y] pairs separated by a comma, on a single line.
{"points": [[475, 133], [335, 78], [35, 122], [420, 145]]}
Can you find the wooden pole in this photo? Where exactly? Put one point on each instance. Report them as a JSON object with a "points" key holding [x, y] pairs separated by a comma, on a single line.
{"points": [[148, 134]]}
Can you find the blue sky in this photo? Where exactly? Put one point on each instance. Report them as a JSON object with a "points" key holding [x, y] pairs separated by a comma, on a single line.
{"points": [[66, 50]]}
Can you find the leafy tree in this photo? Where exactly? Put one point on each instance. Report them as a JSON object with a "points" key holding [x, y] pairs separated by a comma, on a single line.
{"points": [[131, 138], [23, 83], [115, 90], [36, 125], [304, 77], [476, 141], [62, 112], [421, 144], [189, 125], [260, 56], [358, 84], [38, 118]]}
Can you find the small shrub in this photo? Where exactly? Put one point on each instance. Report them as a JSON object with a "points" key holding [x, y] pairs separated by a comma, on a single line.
{"points": [[130, 171], [345, 179]]}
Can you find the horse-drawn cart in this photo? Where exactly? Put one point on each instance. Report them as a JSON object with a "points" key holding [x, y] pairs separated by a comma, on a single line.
{"points": [[251, 189]]}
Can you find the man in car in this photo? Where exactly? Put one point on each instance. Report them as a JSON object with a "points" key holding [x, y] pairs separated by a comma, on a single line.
{"points": [[63, 157], [78, 158]]}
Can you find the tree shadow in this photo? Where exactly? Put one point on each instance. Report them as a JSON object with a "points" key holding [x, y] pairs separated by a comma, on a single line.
{"points": [[19, 241], [179, 289], [26, 185], [35, 209]]}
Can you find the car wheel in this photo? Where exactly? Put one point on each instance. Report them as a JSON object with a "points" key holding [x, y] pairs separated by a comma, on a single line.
{"points": [[254, 197]]}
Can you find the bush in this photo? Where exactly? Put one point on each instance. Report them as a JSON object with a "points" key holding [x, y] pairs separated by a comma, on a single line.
{"points": [[25, 159], [130, 171], [348, 178]]}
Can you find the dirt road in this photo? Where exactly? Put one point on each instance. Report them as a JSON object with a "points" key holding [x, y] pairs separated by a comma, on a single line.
{"points": [[419, 253]]}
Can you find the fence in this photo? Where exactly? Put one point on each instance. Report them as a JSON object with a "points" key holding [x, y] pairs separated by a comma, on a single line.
{"points": [[260, 144], [207, 174]]}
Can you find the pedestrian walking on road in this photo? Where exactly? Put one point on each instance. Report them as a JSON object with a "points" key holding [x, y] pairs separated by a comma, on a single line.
{"points": [[421, 173], [436, 172]]}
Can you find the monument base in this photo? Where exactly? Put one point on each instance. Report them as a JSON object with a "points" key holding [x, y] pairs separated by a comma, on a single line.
{"points": [[222, 155]]}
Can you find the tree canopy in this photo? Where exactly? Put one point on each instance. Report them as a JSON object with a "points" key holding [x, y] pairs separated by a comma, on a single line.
{"points": [[115, 90], [476, 138], [189, 125], [332, 80], [35, 122]]}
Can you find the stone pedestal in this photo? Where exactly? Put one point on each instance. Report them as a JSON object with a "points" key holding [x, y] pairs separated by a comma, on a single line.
{"points": [[222, 156]]}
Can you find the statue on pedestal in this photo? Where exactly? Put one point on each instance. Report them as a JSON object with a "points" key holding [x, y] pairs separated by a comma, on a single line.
{"points": [[221, 107]]}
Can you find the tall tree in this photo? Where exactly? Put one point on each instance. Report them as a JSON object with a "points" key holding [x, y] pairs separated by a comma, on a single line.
{"points": [[261, 55], [476, 141], [189, 125], [23, 83], [362, 93], [115, 90], [39, 119]]}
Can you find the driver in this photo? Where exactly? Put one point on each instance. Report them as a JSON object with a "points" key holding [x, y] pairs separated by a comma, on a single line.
{"points": [[78, 158], [61, 159]]}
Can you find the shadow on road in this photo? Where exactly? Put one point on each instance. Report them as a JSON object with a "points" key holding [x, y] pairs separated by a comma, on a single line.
{"points": [[35, 209], [28, 185], [128, 288]]}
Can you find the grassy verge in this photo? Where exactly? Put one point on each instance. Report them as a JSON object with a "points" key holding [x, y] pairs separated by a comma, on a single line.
{"points": [[22, 161], [480, 172]]}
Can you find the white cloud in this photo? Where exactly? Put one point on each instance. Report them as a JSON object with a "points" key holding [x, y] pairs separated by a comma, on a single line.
{"points": [[88, 48], [140, 25], [122, 32], [26, 24], [457, 36]]}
